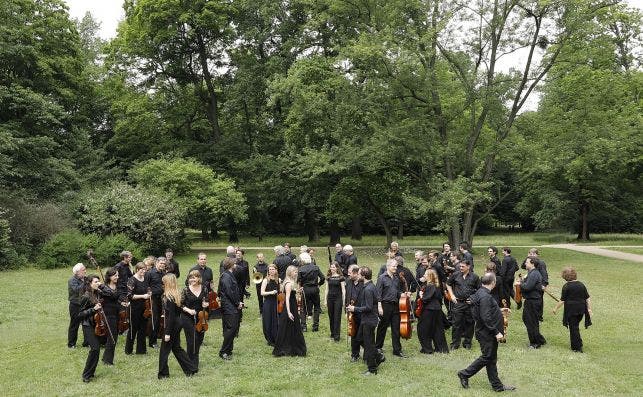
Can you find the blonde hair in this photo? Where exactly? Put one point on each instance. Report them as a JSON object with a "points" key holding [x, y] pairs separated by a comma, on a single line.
{"points": [[432, 277], [170, 290], [196, 274], [291, 276]]}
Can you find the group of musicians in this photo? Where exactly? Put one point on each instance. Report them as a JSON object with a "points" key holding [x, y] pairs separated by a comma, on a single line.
{"points": [[288, 293]]}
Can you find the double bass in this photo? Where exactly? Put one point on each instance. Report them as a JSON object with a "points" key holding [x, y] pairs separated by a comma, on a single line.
{"points": [[406, 326]]}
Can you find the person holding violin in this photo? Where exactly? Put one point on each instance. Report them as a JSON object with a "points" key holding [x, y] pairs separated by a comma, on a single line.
{"points": [[171, 341], [154, 278], [334, 297], [366, 307], [194, 310], [489, 331], [231, 305], [111, 306], [389, 290], [269, 288], [353, 289], [430, 323], [89, 306], [290, 337], [139, 288]]}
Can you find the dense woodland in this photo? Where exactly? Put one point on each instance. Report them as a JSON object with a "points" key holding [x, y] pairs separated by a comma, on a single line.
{"points": [[316, 117]]}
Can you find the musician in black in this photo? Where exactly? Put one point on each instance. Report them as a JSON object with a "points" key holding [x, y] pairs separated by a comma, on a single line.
{"points": [[231, 305], [466, 255], [241, 273], [334, 298], [310, 278], [195, 300], [230, 252], [531, 290], [430, 328], [124, 273], [349, 259], [281, 260], [137, 326], [577, 304], [339, 258], [75, 289], [289, 254], [542, 269], [489, 331], [366, 307], [461, 285], [262, 267], [206, 272], [111, 302], [506, 274], [172, 264], [389, 290], [89, 305], [154, 279], [353, 288]]}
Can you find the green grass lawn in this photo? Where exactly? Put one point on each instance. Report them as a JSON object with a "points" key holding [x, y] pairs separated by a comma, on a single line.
{"points": [[480, 240], [35, 360]]}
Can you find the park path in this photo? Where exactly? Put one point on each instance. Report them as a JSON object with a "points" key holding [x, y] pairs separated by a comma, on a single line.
{"points": [[599, 251]]}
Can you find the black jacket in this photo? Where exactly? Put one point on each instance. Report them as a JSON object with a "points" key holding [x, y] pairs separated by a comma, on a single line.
{"points": [[366, 305], [310, 276], [154, 279], [487, 314], [229, 293]]}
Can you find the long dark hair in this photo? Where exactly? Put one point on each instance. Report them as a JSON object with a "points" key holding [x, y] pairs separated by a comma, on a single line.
{"points": [[108, 275]]}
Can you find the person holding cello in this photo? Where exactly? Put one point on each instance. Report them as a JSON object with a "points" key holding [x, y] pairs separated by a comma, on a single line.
{"points": [[194, 315], [389, 291], [171, 340], [140, 294], [269, 289], [89, 307], [333, 298], [430, 323]]}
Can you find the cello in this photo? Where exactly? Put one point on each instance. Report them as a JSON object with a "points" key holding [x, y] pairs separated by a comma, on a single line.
{"points": [[406, 328], [212, 299]]}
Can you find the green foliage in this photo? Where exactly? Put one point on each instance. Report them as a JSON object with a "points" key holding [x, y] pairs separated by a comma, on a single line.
{"points": [[108, 249], [9, 258], [149, 217], [65, 249]]}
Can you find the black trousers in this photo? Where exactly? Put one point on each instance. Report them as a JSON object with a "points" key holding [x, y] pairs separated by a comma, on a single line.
{"points": [[367, 337], [259, 298], [390, 318], [74, 323], [356, 343], [156, 317], [136, 332], [463, 323], [230, 323], [335, 313], [94, 351], [174, 346], [313, 306], [430, 332], [193, 339], [488, 358], [574, 331], [530, 316], [110, 345]]}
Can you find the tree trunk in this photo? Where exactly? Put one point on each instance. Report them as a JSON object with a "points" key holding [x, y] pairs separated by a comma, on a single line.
{"points": [[214, 233], [400, 230], [233, 237], [204, 233], [356, 229], [311, 225], [583, 232], [335, 234], [212, 108]]}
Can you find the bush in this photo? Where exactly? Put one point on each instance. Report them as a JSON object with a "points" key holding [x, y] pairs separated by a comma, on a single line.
{"points": [[107, 252], [66, 249], [149, 217], [9, 258]]}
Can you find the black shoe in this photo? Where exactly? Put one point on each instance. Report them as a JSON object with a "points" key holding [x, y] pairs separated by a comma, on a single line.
{"points": [[71, 347], [400, 354], [106, 363], [454, 347], [534, 346], [315, 329], [354, 359], [225, 356], [369, 373], [464, 381], [87, 380], [381, 359], [163, 376], [577, 350], [505, 388]]}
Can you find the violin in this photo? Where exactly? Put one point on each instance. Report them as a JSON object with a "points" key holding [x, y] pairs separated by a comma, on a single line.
{"points": [[406, 328], [447, 295], [212, 299], [281, 302], [517, 292], [202, 319], [123, 321], [147, 313], [352, 327], [102, 327], [419, 304]]}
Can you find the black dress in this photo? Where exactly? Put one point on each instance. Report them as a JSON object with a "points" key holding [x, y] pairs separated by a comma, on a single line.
{"points": [[111, 307], [290, 339], [334, 304], [269, 317], [575, 296]]}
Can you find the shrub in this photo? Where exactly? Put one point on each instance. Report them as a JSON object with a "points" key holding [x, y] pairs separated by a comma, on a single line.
{"points": [[66, 249], [107, 252], [9, 258]]}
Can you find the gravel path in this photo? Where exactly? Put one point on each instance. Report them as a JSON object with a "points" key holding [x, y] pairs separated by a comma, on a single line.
{"points": [[599, 251]]}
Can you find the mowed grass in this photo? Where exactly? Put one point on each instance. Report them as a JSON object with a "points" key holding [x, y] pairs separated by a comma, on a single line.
{"points": [[35, 359], [480, 240]]}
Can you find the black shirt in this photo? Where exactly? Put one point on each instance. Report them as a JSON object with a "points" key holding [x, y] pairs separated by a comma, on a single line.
{"points": [[464, 287], [432, 298], [352, 291], [206, 276], [487, 314], [154, 280], [110, 300], [75, 288], [542, 269], [138, 288], [241, 273], [310, 276], [173, 267], [282, 262], [124, 273], [229, 293], [388, 288], [366, 305], [192, 301], [335, 286], [508, 269], [262, 268], [531, 285]]}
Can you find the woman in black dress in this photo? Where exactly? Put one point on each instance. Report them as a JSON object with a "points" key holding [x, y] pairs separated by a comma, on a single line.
{"points": [[269, 290], [577, 304], [138, 287], [334, 299], [111, 306], [171, 340], [195, 299], [430, 324], [290, 339], [89, 306]]}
